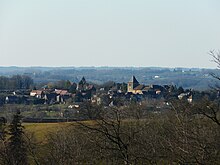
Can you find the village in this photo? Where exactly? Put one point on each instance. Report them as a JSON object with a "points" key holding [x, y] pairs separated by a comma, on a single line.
{"points": [[51, 104], [107, 94]]}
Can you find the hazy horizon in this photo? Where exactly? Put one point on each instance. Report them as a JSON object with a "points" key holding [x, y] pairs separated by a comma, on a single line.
{"points": [[142, 33], [105, 67]]}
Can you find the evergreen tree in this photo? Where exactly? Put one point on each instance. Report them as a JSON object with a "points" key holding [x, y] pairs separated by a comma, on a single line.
{"points": [[4, 158], [16, 145]]}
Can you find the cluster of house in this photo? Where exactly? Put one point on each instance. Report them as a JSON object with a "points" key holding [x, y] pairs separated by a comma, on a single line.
{"points": [[135, 87], [45, 95], [87, 92], [50, 97], [84, 92], [139, 92]]}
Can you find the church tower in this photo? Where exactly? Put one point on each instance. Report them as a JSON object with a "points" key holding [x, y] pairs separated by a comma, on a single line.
{"points": [[82, 84], [132, 84]]}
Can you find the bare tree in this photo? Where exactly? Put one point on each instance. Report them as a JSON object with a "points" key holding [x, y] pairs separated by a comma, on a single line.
{"points": [[192, 138], [32, 147], [112, 137], [121, 134], [216, 57], [207, 108]]}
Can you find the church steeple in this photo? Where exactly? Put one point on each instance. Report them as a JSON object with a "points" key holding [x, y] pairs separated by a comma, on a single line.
{"points": [[132, 84], [82, 84], [83, 81], [134, 80]]}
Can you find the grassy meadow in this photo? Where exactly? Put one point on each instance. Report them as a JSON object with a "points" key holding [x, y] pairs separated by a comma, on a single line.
{"points": [[40, 130]]}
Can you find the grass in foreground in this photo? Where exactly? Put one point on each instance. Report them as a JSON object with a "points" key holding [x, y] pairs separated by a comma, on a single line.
{"points": [[41, 130]]}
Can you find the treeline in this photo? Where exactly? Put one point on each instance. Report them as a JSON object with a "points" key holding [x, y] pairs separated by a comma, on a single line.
{"points": [[198, 79], [15, 82]]}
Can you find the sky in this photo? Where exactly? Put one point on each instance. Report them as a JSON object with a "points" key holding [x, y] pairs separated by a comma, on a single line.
{"points": [[138, 33]]}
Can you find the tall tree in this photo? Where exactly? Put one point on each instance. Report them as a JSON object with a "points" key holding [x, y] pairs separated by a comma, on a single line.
{"points": [[4, 158], [17, 145]]}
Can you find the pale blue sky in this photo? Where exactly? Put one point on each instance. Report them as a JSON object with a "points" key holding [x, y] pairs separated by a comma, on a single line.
{"points": [[164, 33]]}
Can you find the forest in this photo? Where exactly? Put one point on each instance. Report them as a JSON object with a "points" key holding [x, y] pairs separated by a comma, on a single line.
{"points": [[15, 82]]}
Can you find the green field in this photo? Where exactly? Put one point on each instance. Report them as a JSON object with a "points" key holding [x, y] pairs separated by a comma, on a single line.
{"points": [[40, 130]]}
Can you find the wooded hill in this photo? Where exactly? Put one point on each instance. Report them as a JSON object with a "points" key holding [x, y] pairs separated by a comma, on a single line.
{"points": [[195, 78]]}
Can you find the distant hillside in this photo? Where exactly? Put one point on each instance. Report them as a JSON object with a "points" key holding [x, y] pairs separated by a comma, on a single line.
{"points": [[195, 78]]}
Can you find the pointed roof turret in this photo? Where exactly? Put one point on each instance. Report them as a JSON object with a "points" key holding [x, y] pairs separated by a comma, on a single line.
{"points": [[134, 80], [83, 81]]}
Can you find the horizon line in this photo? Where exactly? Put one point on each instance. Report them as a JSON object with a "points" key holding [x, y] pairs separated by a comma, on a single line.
{"points": [[165, 67]]}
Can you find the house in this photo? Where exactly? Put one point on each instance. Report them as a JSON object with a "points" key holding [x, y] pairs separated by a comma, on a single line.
{"points": [[62, 95], [11, 100], [182, 95], [186, 96], [61, 92], [138, 89], [63, 98], [190, 99], [37, 93], [96, 100], [50, 98]]}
